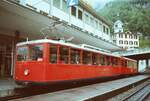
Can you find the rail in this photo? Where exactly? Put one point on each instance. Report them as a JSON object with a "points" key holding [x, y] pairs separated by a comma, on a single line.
{"points": [[138, 95]]}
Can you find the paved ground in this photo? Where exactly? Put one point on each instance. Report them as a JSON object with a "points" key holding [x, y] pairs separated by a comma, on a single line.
{"points": [[7, 86], [86, 92]]}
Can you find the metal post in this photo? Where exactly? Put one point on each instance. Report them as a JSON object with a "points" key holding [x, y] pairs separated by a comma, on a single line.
{"points": [[12, 58], [146, 63]]}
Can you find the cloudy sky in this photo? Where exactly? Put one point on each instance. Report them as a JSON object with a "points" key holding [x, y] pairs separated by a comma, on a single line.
{"points": [[98, 4]]}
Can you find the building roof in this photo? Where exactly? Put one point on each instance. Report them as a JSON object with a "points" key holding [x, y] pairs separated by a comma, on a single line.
{"points": [[118, 21], [93, 12]]}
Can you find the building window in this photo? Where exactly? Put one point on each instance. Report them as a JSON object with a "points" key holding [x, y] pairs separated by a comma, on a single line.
{"points": [[135, 36], [135, 43], [126, 42], [104, 29], [121, 35], [73, 11], [56, 3], [120, 41], [130, 36], [131, 42], [64, 6], [125, 35], [80, 14], [107, 31]]}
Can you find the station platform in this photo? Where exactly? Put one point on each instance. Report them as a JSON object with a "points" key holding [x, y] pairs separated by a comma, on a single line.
{"points": [[86, 93], [7, 87]]}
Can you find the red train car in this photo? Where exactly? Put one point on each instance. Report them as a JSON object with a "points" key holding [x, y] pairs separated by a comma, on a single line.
{"points": [[46, 61]]}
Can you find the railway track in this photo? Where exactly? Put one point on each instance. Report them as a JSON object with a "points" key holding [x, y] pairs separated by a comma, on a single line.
{"points": [[139, 95], [140, 92]]}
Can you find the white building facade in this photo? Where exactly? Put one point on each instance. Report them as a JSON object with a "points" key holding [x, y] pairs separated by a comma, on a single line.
{"points": [[118, 27], [125, 40], [81, 16]]}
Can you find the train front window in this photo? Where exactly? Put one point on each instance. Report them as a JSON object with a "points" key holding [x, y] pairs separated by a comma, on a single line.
{"points": [[36, 52], [22, 53]]}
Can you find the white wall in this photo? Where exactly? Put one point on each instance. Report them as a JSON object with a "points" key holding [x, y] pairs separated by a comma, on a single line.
{"points": [[142, 65], [95, 28], [127, 39]]}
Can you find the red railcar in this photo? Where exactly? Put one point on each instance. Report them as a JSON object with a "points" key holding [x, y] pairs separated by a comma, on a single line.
{"points": [[46, 61]]}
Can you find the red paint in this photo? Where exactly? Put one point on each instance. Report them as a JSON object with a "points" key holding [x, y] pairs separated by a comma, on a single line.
{"points": [[43, 71]]}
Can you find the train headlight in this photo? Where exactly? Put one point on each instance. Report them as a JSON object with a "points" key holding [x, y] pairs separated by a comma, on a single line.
{"points": [[26, 72]]}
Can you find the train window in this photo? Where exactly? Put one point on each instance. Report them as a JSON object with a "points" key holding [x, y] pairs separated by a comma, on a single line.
{"points": [[102, 59], [114, 61], [108, 60], [122, 63], [53, 54], [22, 53], [95, 60], [75, 56], [125, 63], [86, 57], [64, 54], [36, 52]]}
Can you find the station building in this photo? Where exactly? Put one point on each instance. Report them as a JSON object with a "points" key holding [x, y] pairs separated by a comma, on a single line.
{"points": [[126, 40], [35, 19]]}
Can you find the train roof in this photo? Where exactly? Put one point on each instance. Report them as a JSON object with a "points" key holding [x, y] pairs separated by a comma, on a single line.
{"points": [[69, 45]]}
